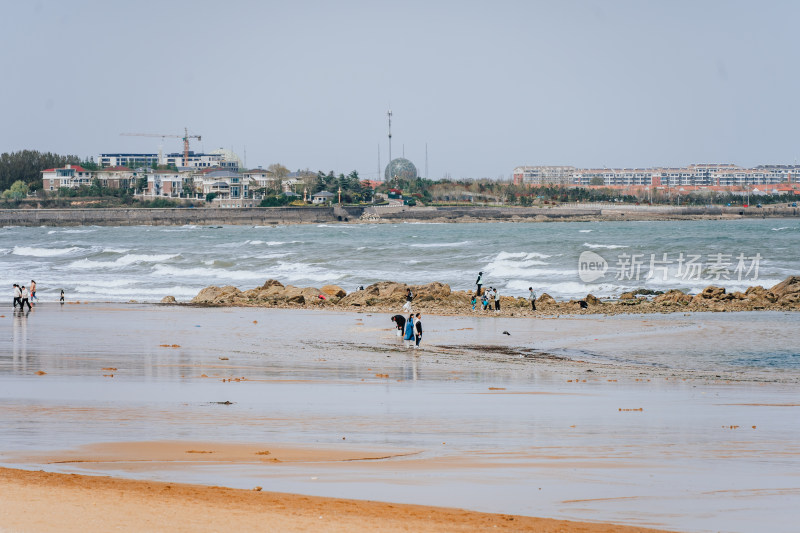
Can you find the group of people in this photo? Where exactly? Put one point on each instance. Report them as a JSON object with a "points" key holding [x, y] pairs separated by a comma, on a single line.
{"points": [[23, 295], [409, 328], [489, 298], [491, 295]]}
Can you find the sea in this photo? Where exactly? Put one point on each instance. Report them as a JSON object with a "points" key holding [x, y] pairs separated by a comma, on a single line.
{"points": [[563, 259]]}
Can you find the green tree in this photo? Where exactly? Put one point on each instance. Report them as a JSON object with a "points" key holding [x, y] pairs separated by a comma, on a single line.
{"points": [[17, 191], [597, 180]]}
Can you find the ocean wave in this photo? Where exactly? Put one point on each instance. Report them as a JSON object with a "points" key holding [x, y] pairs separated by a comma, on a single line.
{"points": [[52, 231], [605, 246], [520, 255], [92, 290], [206, 275], [585, 231], [302, 271], [123, 261], [44, 252], [441, 244], [781, 228]]}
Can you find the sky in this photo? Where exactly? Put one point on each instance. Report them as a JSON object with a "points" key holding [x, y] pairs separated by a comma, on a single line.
{"points": [[485, 86]]}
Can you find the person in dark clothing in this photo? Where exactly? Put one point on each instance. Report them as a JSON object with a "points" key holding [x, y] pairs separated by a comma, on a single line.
{"points": [[62, 296], [24, 300], [532, 298], [418, 332], [479, 282], [400, 322]]}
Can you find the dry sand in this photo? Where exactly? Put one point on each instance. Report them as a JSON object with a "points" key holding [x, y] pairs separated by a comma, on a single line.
{"points": [[64, 503]]}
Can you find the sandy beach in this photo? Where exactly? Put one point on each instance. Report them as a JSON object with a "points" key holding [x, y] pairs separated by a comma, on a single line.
{"points": [[39, 501], [643, 421]]}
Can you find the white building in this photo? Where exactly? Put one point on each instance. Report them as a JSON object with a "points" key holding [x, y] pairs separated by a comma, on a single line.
{"points": [[72, 176]]}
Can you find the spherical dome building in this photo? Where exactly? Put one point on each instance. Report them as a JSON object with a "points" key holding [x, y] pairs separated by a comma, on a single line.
{"points": [[229, 156], [401, 168]]}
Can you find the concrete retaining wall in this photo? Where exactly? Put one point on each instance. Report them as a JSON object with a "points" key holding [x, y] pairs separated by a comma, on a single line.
{"points": [[317, 215]]}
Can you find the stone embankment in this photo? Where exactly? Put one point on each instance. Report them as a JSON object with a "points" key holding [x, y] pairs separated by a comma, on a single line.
{"points": [[372, 214], [389, 296]]}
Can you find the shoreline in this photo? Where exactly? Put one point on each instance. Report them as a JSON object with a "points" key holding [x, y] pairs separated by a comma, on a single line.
{"points": [[42, 501]]}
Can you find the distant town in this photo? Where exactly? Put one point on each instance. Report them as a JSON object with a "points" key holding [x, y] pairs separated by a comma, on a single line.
{"points": [[219, 179]]}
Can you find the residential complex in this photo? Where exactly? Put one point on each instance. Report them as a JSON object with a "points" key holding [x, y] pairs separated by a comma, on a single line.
{"points": [[700, 175], [230, 188]]}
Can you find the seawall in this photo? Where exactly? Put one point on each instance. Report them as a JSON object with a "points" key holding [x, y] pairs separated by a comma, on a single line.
{"points": [[317, 215]]}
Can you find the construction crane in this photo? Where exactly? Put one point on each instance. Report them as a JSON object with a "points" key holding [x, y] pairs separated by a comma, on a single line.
{"points": [[185, 138]]}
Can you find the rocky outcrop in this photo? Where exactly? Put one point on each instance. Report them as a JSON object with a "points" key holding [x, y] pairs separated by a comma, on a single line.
{"points": [[217, 295], [439, 298], [334, 291], [168, 300]]}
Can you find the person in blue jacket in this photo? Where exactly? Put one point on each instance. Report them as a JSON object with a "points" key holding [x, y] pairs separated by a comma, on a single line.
{"points": [[408, 339]]}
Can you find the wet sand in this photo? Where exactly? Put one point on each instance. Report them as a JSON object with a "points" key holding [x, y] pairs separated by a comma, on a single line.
{"points": [[39, 501], [587, 419]]}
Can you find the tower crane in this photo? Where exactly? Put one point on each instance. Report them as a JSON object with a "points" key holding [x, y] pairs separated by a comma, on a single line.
{"points": [[185, 138]]}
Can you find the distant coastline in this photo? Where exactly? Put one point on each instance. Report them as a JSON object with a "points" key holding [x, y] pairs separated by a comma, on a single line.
{"points": [[355, 214]]}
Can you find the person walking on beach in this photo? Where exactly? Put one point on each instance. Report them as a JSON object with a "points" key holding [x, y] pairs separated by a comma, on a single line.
{"points": [[479, 282], [418, 328], [400, 324], [62, 296], [33, 291], [24, 299], [532, 298], [409, 299], [408, 339], [17, 296], [496, 296]]}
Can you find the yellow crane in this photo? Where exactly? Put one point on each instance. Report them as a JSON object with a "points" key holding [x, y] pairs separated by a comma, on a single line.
{"points": [[185, 138]]}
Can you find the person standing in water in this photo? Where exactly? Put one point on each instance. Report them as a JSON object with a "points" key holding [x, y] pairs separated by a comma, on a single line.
{"points": [[408, 339], [418, 331], [479, 282]]}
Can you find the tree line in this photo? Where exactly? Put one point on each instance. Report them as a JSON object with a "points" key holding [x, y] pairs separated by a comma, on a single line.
{"points": [[27, 166]]}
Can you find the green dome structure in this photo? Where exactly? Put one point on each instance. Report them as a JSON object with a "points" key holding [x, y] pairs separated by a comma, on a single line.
{"points": [[401, 168]]}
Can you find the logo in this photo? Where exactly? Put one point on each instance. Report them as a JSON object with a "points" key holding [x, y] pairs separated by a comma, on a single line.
{"points": [[591, 266]]}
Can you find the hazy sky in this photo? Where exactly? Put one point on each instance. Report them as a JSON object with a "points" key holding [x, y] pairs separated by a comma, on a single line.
{"points": [[487, 85]]}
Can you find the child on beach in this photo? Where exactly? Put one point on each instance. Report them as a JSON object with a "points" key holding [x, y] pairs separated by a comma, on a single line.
{"points": [[474, 301]]}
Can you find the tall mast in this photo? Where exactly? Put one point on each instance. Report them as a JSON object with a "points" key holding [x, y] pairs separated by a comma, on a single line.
{"points": [[389, 114]]}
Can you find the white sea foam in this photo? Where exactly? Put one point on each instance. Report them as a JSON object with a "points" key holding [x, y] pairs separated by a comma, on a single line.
{"points": [[585, 231], [206, 275], [123, 261], [520, 255], [604, 246], [441, 244], [52, 231], [781, 228], [44, 252]]}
